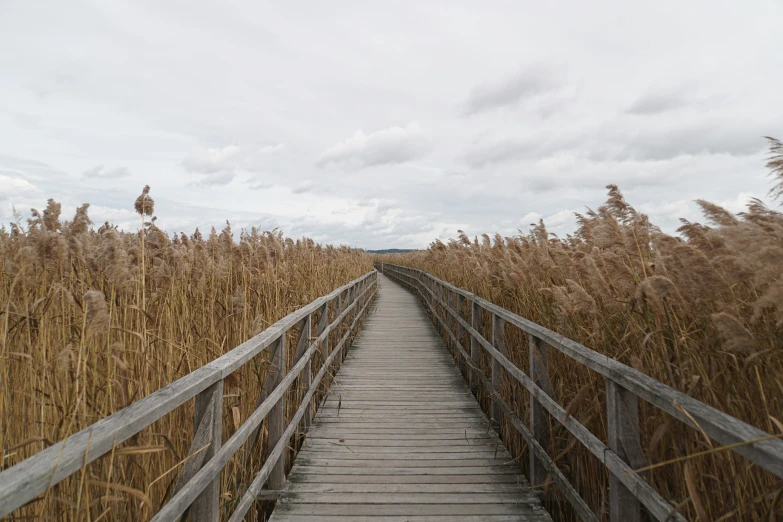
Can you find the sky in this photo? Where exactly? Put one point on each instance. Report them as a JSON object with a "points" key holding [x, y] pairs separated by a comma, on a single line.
{"points": [[385, 124]]}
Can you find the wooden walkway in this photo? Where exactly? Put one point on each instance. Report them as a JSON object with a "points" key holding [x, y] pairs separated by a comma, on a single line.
{"points": [[400, 437]]}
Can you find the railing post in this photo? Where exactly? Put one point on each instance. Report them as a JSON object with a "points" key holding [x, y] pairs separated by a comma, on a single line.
{"points": [[276, 418], [307, 372], [622, 413], [209, 410], [475, 354], [499, 342], [461, 332], [538, 423]]}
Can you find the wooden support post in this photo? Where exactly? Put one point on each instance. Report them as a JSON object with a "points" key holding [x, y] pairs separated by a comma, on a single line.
{"points": [[461, 333], [276, 418], [306, 377], [475, 347], [623, 433], [323, 322], [499, 342], [209, 409], [538, 422]]}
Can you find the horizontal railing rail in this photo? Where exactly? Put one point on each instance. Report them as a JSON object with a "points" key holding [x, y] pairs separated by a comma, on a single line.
{"points": [[622, 453], [198, 486]]}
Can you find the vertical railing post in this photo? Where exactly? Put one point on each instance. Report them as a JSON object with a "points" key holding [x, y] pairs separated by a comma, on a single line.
{"points": [[499, 342], [538, 423], [623, 429], [462, 333], [209, 409], [475, 347], [323, 322], [276, 418], [306, 377]]}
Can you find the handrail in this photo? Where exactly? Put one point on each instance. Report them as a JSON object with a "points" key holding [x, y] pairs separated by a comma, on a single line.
{"points": [[628, 490], [198, 487]]}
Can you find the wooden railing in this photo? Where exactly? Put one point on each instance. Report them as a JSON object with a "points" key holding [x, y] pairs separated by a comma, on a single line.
{"points": [[198, 487], [622, 453]]}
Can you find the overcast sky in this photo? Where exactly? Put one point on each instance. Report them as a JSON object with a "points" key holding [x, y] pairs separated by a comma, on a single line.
{"points": [[385, 124]]}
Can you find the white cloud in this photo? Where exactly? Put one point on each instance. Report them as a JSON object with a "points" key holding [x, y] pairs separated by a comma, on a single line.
{"points": [[528, 82], [212, 160], [103, 173], [13, 186], [384, 147]]}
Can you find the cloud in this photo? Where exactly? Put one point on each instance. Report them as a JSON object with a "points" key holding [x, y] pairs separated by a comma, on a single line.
{"points": [[527, 83], [385, 147], [102, 173], [303, 188], [219, 165], [212, 160], [14, 186], [271, 149], [654, 103], [215, 179], [500, 150], [695, 139]]}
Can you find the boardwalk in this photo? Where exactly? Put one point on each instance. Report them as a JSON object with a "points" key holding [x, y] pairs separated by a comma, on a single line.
{"points": [[400, 437]]}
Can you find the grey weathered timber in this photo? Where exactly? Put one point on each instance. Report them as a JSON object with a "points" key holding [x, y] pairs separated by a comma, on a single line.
{"points": [[475, 353], [276, 418], [28, 479], [622, 414], [538, 421], [499, 342], [209, 411], [400, 437]]}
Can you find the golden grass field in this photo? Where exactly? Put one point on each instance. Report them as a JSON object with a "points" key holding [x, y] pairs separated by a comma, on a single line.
{"points": [[93, 318], [701, 312]]}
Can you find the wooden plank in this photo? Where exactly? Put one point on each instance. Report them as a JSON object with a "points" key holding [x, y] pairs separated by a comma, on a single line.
{"points": [[406, 518], [407, 488], [371, 510], [314, 477], [492, 497]]}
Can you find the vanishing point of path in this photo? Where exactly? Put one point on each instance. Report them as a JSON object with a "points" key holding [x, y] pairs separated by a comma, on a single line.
{"points": [[401, 438]]}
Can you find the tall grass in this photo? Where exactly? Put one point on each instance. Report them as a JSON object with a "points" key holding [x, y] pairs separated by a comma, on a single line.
{"points": [[93, 319], [701, 311]]}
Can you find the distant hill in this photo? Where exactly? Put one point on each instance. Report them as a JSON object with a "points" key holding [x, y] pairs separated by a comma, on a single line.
{"points": [[391, 251]]}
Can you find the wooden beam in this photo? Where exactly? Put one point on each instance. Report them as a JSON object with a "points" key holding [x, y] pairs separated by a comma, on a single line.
{"points": [[622, 414], [475, 353], [499, 342], [276, 418], [209, 409], [539, 426]]}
